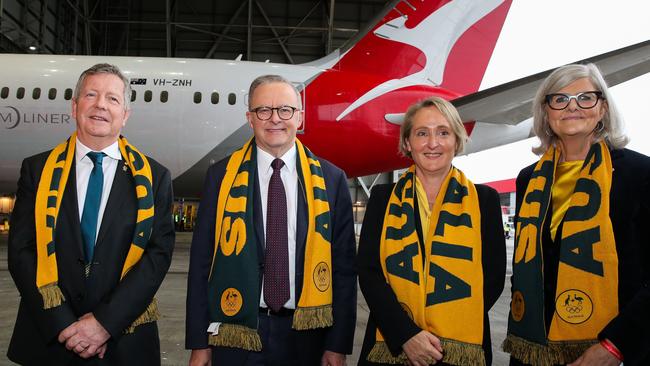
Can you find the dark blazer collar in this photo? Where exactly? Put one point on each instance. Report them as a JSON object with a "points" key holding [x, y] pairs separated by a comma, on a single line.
{"points": [[70, 209], [121, 191]]}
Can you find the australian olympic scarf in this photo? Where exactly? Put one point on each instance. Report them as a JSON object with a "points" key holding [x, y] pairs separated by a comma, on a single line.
{"points": [[586, 298], [234, 288], [443, 293], [48, 202]]}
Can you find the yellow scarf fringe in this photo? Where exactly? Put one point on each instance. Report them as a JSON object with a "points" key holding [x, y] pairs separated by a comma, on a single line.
{"points": [[237, 336]]}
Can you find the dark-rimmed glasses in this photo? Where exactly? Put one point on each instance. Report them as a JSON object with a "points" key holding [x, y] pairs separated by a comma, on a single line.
{"points": [[585, 100], [285, 112]]}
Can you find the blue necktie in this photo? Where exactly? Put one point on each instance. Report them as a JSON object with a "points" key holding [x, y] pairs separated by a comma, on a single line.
{"points": [[91, 207]]}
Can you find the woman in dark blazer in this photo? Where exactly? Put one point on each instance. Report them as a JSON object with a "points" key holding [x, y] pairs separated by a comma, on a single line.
{"points": [[431, 258], [581, 266]]}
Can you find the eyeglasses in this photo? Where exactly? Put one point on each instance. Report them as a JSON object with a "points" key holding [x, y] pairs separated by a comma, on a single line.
{"points": [[285, 112], [585, 100]]}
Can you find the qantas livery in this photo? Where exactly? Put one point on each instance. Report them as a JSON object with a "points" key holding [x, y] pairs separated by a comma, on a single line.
{"points": [[189, 113]]}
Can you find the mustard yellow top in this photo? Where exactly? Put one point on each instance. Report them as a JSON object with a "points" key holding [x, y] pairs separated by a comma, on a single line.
{"points": [[566, 175], [423, 206]]}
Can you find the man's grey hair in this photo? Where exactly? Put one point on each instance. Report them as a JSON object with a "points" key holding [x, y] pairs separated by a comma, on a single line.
{"points": [[105, 69], [612, 131], [270, 79]]}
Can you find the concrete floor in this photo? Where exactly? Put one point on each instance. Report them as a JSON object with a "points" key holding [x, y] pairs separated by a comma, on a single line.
{"points": [[171, 299]]}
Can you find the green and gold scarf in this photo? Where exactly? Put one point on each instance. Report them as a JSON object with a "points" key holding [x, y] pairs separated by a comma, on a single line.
{"points": [[48, 202], [234, 288], [586, 298], [444, 293]]}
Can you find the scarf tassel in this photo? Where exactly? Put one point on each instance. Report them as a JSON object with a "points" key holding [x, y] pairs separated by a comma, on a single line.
{"points": [[237, 336], [537, 354], [52, 296], [150, 315], [313, 317], [381, 354], [460, 353]]}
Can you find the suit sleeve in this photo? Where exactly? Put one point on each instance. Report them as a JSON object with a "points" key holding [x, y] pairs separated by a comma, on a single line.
{"points": [[340, 337], [137, 289], [197, 315], [494, 247], [391, 319], [22, 259], [630, 330]]}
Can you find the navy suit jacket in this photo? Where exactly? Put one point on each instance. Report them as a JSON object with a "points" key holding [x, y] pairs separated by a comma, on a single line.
{"points": [[339, 337], [114, 303]]}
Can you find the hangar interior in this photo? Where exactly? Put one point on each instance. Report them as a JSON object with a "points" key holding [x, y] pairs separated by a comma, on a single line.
{"points": [[282, 31]]}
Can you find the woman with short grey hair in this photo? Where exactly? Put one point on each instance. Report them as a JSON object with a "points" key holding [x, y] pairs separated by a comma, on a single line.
{"points": [[581, 264]]}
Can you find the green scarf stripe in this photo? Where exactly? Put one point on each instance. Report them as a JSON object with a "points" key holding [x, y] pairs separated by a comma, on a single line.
{"points": [[587, 278], [234, 288]]}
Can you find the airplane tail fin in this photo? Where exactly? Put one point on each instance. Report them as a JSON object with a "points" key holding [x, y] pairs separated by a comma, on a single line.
{"points": [[442, 43]]}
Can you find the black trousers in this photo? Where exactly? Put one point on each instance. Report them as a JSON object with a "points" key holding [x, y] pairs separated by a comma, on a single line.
{"points": [[281, 346]]}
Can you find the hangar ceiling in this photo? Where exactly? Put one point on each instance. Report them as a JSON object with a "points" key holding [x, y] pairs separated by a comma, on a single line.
{"points": [[286, 31]]}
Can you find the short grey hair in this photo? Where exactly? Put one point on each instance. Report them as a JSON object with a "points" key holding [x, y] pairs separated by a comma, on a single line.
{"points": [[105, 69], [270, 79], [612, 131], [448, 111]]}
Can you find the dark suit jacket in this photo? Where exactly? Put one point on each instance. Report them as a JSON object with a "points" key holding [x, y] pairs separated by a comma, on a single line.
{"points": [[385, 311], [115, 304], [337, 338], [629, 211]]}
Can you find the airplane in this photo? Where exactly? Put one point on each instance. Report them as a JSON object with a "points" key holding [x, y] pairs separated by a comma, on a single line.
{"points": [[190, 113]]}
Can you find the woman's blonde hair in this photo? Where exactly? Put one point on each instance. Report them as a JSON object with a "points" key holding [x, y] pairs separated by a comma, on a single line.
{"points": [[448, 111]]}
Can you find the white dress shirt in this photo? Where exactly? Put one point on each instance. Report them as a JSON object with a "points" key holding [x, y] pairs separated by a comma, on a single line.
{"points": [[289, 177], [84, 166]]}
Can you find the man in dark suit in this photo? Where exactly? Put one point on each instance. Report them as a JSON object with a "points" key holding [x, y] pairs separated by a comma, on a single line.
{"points": [[274, 115], [88, 296]]}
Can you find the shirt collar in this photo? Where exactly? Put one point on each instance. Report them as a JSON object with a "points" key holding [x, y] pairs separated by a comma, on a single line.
{"points": [[112, 151], [265, 159]]}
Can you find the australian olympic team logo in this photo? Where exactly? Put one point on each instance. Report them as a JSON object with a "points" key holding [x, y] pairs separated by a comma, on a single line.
{"points": [[322, 276], [574, 306], [231, 301], [518, 306]]}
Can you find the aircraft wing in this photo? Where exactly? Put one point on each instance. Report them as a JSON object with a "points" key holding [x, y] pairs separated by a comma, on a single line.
{"points": [[511, 103]]}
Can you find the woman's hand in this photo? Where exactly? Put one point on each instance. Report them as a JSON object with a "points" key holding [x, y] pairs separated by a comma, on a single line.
{"points": [[423, 349], [596, 355]]}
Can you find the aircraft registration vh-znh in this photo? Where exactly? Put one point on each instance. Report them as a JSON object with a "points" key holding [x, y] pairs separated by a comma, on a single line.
{"points": [[189, 113]]}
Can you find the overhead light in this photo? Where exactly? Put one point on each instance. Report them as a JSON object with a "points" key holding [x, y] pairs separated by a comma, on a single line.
{"points": [[32, 48]]}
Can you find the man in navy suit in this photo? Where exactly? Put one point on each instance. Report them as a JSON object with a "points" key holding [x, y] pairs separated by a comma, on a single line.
{"points": [[275, 113], [105, 313]]}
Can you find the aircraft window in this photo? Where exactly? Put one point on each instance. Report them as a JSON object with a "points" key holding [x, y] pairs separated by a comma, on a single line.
{"points": [[215, 98], [197, 97], [133, 95], [147, 96], [67, 95], [4, 93], [52, 94], [164, 96], [36, 93], [20, 93], [232, 98]]}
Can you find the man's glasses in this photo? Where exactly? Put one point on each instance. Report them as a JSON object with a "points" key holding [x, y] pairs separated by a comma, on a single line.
{"points": [[264, 113], [585, 100]]}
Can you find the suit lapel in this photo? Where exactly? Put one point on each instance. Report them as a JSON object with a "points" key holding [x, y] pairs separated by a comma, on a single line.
{"points": [[121, 191], [70, 209]]}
